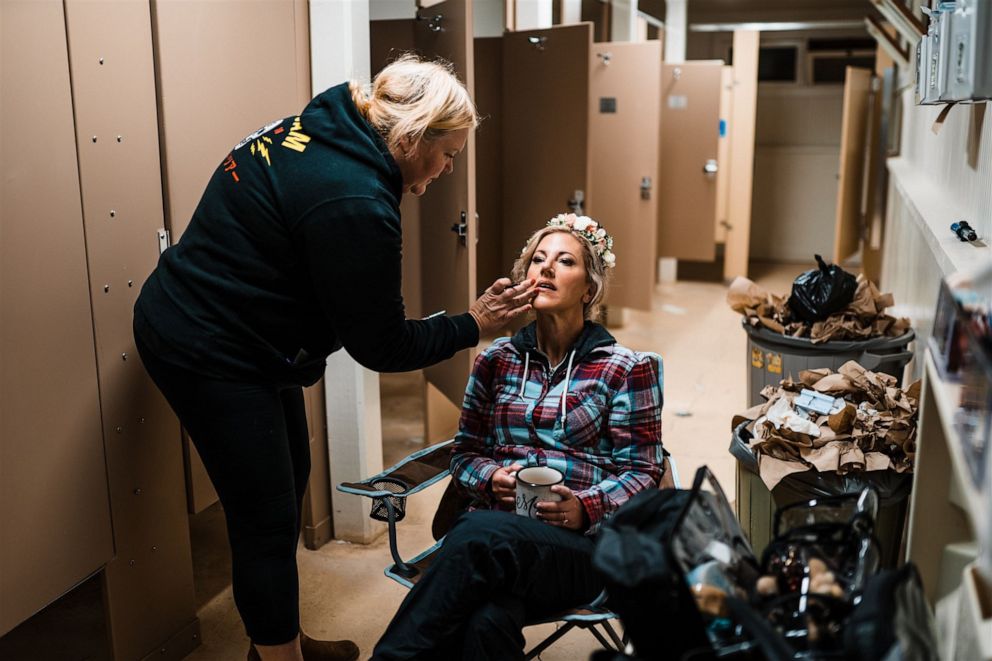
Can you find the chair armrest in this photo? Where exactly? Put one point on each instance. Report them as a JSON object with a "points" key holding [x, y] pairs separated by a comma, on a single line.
{"points": [[417, 472]]}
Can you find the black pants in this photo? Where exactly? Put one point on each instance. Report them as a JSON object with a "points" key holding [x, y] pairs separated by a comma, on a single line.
{"points": [[254, 443], [495, 572]]}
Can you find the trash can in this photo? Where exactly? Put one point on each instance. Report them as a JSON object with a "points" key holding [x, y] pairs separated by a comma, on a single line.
{"points": [[756, 505], [772, 356]]}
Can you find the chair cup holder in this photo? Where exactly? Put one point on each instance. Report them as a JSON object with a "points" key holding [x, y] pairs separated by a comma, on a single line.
{"points": [[380, 510]]}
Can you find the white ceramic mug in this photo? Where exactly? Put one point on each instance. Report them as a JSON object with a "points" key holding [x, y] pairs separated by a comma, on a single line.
{"points": [[534, 486]]}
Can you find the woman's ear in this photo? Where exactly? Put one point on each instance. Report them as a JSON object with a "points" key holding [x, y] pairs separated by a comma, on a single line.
{"points": [[588, 297]]}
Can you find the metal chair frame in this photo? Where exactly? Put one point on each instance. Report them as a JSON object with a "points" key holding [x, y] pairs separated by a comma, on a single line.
{"points": [[589, 616]]}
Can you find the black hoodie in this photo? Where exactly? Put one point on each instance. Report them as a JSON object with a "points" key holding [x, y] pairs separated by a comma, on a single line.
{"points": [[293, 251]]}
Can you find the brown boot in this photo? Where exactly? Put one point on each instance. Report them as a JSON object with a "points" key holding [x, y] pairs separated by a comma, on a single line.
{"points": [[319, 650], [327, 650]]}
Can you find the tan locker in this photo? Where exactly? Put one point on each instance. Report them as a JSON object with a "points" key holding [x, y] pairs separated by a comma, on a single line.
{"points": [[623, 154], [225, 92], [741, 130], [447, 209], [690, 137], [545, 127], [224, 70], [847, 230], [55, 525], [149, 584]]}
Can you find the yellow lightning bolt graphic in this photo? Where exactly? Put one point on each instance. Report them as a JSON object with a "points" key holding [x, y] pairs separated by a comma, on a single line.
{"points": [[264, 151]]}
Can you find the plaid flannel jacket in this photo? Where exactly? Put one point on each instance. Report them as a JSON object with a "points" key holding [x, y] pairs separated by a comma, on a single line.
{"points": [[609, 446]]}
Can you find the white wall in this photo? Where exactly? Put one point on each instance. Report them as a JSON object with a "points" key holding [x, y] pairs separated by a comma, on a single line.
{"points": [[534, 14], [339, 42], [488, 18], [339, 51], [936, 180], [388, 10], [796, 159]]}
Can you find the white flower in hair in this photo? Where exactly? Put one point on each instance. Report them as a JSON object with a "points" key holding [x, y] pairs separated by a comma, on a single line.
{"points": [[583, 223], [609, 259]]}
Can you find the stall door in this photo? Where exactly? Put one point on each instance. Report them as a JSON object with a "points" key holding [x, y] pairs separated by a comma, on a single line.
{"points": [[545, 128], [847, 231], [623, 127], [723, 154], [447, 209], [690, 141], [488, 161], [741, 130]]}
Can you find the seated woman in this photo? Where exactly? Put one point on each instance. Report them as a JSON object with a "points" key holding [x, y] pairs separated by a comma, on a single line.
{"points": [[560, 392]]}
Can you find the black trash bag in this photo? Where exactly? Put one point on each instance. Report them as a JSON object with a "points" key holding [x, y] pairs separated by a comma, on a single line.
{"points": [[819, 293]]}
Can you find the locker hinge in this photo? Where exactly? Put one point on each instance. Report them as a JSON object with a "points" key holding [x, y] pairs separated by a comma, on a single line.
{"points": [[164, 241], [433, 22]]}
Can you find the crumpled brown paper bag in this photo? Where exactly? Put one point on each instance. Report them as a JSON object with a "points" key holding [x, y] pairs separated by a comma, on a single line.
{"points": [[876, 429]]}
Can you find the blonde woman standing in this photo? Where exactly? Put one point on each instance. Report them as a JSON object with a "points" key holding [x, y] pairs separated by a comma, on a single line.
{"points": [[293, 253]]}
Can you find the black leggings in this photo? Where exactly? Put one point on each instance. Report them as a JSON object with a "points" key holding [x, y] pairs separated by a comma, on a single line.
{"points": [[495, 572], [254, 443]]}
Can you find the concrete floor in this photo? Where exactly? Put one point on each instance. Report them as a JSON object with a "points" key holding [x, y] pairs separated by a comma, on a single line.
{"points": [[343, 591]]}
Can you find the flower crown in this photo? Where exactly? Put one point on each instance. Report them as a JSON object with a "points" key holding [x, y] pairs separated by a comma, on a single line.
{"points": [[588, 229]]}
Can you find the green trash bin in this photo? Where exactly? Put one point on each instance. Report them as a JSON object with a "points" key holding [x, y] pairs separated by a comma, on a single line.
{"points": [[756, 505], [772, 356]]}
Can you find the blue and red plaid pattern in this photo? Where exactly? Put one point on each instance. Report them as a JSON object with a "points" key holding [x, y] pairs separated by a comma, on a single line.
{"points": [[609, 447]]}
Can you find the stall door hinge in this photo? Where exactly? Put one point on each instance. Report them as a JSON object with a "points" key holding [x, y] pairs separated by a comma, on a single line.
{"points": [[164, 241]]}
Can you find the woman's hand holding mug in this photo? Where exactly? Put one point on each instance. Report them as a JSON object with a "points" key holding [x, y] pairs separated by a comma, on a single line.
{"points": [[566, 513], [504, 484]]}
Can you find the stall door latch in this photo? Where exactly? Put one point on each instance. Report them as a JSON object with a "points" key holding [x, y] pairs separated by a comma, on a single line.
{"points": [[645, 188], [461, 229], [710, 168]]}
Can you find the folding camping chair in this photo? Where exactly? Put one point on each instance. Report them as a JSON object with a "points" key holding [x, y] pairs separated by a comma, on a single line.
{"points": [[389, 490]]}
